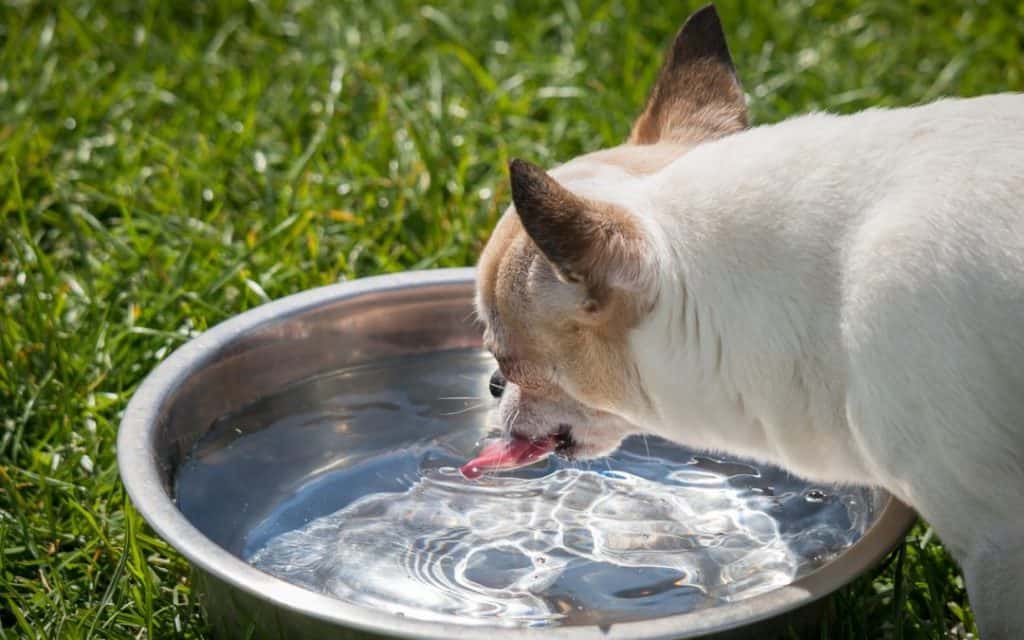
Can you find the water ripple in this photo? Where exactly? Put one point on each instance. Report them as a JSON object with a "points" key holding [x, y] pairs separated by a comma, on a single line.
{"points": [[551, 549]]}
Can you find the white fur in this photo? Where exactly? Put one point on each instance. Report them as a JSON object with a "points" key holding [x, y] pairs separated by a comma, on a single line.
{"points": [[844, 296]]}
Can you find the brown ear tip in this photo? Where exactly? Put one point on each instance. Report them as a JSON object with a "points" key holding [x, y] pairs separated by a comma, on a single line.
{"points": [[701, 37], [706, 13], [704, 23], [516, 169], [517, 166], [523, 175]]}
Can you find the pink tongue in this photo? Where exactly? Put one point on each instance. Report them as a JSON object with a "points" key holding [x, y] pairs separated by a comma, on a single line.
{"points": [[508, 454]]}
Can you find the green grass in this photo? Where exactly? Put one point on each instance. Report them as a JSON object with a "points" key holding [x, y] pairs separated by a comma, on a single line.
{"points": [[164, 166]]}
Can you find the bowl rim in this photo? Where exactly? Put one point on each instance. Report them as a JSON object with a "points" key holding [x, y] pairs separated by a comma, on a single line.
{"points": [[138, 466]]}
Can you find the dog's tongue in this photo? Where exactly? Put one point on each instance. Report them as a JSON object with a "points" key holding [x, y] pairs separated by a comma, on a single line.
{"points": [[508, 454]]}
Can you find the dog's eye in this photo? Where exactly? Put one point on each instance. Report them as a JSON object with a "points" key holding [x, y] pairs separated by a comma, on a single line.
{"points": [[497, 384]]}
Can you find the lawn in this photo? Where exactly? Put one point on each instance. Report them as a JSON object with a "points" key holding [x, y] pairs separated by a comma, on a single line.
{"points": [[164, 166]]}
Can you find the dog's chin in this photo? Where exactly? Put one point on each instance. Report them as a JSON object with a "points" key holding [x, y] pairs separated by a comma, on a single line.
{"points": [[579, 433], [573, 447], [574, 444]]}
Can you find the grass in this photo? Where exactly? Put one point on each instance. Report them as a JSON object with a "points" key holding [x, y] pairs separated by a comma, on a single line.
{"points": [[164, 166]]}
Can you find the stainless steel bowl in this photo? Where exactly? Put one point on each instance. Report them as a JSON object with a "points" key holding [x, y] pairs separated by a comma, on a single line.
{"points": [[261, 351]]}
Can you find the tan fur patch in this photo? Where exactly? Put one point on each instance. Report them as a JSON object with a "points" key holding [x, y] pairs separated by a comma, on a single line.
{"points": [[536, 343], [640, 160]]}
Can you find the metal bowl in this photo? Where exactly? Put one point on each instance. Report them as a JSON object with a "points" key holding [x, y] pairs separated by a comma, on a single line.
{"points": [[262, 350]]}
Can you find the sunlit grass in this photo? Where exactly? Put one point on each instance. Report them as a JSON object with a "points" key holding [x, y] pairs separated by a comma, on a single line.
{"points": [[166, 165]]}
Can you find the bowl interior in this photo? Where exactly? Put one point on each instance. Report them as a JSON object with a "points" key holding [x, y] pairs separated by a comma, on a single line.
{"points": [[268, 349], [247, 399]]}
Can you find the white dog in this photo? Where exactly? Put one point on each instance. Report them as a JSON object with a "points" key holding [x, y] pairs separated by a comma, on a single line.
{"points": [[839, 295]]}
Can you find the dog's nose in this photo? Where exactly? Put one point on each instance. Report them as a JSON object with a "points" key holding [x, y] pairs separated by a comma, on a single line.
{"points": [[497, 384]]}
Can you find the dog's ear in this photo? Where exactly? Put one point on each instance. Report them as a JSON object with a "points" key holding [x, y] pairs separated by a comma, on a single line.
{"points": [[697, 95], [595, 243]]}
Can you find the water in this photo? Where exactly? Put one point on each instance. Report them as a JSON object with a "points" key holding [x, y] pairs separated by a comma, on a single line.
{"points": [[348, 485]]}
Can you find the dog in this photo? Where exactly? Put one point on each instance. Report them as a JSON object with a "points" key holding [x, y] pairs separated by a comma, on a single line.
{"points": [[842, 296]]}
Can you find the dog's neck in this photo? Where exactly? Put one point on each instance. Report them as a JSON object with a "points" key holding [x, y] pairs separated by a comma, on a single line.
{"points": [[749, 303]]}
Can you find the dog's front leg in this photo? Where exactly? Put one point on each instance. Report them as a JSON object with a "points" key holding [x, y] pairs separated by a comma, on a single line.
{"points": [[994, 572]]}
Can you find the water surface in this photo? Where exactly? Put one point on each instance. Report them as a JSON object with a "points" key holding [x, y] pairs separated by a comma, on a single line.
{"points": [[348, 485]]}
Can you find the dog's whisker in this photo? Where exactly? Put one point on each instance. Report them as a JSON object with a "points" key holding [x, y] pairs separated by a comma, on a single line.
{"points": [[465, 409], [472, 316], [512, 420]]}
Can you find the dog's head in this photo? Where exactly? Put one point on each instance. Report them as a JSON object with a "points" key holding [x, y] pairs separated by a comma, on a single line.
{"points": [[570, 268]]}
